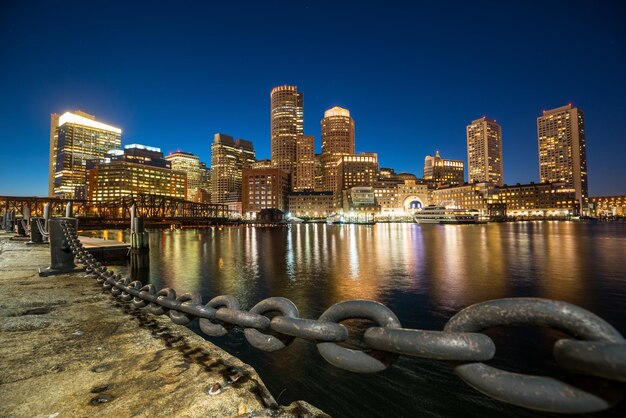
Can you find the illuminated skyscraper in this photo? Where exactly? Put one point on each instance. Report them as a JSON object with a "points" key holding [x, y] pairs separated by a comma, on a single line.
{"points": [[484, 152], [195, 170], [76, 137], [563, 150], [228, 160], [439, 171], [136, 170], [286, 123], [304, 176], [337, 140]]}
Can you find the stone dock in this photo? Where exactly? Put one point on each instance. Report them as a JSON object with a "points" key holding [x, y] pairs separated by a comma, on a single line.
{"points": [[70, 349]]}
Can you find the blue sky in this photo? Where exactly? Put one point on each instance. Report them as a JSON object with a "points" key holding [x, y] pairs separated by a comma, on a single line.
{"points": [[412, 74]]}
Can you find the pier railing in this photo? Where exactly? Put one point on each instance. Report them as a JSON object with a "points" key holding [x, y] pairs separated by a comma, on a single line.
{"points": [[595, 348]]}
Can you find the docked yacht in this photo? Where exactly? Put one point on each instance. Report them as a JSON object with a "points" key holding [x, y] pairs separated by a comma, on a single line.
{"points": [[437, 214]]}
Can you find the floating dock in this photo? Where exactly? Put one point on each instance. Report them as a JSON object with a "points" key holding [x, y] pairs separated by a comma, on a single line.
{"points": [[106, 250]]}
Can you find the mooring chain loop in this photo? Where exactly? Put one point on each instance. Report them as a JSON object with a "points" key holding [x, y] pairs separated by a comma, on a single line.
{"points": [[598, 350], [357, 360], [268, 342], [534, 392]]}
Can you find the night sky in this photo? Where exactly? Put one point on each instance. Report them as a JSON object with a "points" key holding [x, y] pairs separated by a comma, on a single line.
{"points": [[413, 76]]}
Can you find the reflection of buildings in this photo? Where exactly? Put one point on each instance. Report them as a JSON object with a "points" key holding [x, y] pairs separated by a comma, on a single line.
{"points": [[76, 137], [137, 169], [439, 171], [228, 160], [563, 150], [264, 188], [484, 152]]}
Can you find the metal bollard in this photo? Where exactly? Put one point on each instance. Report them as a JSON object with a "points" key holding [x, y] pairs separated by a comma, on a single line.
{"points": [[36, 237], [61, 257], [10, 222], [21, 227]]}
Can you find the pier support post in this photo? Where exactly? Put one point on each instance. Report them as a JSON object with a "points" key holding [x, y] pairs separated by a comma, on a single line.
{"points": [[61, 257], [139, 245]]}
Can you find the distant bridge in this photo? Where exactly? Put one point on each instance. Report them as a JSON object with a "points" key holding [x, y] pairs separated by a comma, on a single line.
{"points": [[154, 209]]}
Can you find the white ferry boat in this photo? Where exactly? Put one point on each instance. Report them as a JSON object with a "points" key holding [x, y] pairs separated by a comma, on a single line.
{"points": [[436, 214]]}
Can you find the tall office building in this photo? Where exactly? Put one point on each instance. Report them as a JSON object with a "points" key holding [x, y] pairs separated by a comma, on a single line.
{"points": [[356, 170], [563, 150], [264, 188], [337, 140], [439, 171], [228, 160], [484, 152], [136, 170], [76, 137], [195, 170], [303, 178], [286, 123]]}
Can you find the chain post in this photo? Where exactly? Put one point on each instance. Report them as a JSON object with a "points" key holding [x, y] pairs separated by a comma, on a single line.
{"points": [[61, 255]]}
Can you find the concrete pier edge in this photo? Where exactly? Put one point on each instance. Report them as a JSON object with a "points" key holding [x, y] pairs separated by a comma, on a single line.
{"points": [[68, 348]]}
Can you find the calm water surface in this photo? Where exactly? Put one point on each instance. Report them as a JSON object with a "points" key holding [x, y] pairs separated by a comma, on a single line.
{"points": [[424, 273]]}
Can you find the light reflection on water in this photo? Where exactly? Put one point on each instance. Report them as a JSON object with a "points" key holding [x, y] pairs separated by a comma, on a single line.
{"points": [[424, 273]]}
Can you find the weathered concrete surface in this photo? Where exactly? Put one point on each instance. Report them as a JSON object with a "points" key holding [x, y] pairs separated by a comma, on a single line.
{"points": [[67, 348]]}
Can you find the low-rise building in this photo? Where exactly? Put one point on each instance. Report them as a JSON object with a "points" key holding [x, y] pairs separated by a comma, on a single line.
{"points": [[608, 205], [264, 188], [539, 200], [475, 196], [311, 204], [360, 200]]}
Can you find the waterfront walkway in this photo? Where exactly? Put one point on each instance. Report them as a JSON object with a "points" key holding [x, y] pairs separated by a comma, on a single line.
{"points": [[67, 348]]}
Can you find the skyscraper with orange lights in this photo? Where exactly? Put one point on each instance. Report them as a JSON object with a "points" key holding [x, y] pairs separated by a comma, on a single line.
{"points": [[337, 140], [286, 123], [484, 152]]}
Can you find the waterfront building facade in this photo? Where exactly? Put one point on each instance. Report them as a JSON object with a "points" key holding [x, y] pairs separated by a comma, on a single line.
{"points": [[484, 152], [356, 170], [359, 200], [76, 137], [311, 204], [136, 170], [264, 188], [541, 201], [286, 123], [563, 150], [228, 160], [303, 178], [337, 141], [475, 196], [439, 171], [196, 173], [608, 206]]}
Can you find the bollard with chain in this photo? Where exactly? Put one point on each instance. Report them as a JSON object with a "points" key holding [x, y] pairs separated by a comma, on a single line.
{"points": [[36, 231], [61, 257], [593, 347]]}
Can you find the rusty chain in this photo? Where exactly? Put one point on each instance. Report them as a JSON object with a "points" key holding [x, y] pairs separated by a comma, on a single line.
{"points": [[597, 349]]}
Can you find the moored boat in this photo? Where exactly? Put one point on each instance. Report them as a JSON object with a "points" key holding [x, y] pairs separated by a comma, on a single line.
{"points": [[438, 214]]}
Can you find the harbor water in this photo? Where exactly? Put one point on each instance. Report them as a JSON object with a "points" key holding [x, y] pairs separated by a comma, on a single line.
{"points": [[423, 273]]}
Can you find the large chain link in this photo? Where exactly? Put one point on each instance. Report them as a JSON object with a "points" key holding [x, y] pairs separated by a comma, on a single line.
{"points": [[598, 350]]}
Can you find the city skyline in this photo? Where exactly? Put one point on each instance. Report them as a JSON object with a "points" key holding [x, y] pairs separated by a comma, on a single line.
{"points": [[400, 89]]}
